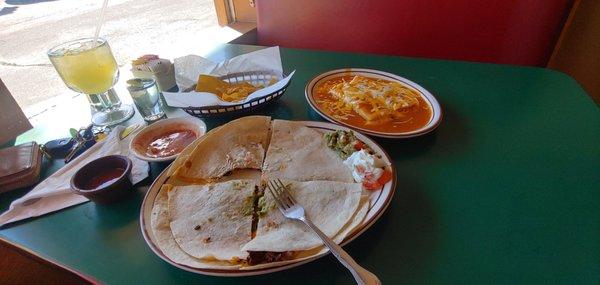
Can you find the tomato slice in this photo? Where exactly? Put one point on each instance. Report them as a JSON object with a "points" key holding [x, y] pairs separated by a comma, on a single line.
{"points": [[371, 185], [385, 177], [374, 185], [358, 145]]}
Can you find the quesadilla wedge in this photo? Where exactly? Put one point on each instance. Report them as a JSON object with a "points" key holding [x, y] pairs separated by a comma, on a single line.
{"points": [[297, 256], [213, 221], [180, 160], [299, 153], [161, 229], [236, 145], [355, 221], [166, 242], [329, 205]]}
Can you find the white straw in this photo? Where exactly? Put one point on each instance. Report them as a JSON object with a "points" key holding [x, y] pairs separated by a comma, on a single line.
{"points": [[100, 20]]}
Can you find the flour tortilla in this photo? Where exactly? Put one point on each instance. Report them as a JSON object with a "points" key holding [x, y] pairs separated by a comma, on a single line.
{"points": [[299, 153], [186, 153], [350, 227], [356, 220], [163, 236], [208, 221], [164, 240], [328, 204], [236, 145]]}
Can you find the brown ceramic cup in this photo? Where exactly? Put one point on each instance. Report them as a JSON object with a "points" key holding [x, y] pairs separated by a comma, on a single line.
{"points": [[104, 180]]}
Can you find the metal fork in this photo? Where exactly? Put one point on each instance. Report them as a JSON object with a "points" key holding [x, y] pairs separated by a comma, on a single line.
{"points": [[291, 210]]}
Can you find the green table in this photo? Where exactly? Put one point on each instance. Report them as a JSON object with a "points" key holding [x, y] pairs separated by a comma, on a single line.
{"points": [[507, 190]]}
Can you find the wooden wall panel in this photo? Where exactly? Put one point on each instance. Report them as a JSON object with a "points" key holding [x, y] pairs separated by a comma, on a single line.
{"points": [[578, 50], [222, 13], [244, 12]]}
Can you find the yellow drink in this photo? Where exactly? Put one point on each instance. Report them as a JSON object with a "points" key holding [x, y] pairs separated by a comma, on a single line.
{"points": [[86, 66]]}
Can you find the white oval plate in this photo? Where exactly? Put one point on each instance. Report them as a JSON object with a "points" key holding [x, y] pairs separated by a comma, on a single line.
{"points": [[191, 123], [379, 201], [436, 109]]}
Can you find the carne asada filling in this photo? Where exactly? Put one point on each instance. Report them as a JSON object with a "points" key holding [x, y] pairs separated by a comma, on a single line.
{"points": [[259, 257]]}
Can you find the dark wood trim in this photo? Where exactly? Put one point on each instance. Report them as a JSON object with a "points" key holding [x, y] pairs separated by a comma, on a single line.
{"points": [[27, 267], [564, 31]]}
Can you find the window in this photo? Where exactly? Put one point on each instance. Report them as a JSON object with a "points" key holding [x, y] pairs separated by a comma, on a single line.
{"points": [[132, 28]]}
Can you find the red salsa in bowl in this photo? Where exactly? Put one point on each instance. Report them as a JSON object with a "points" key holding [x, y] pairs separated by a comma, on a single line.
{"points": [[104, 180], [164, 140], [170, 143]]}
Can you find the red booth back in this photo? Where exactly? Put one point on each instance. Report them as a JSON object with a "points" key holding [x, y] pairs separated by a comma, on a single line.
{"points": [[500, 31]]}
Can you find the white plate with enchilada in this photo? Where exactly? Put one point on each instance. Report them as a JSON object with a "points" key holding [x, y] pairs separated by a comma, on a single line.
{"points": [[374, 102], [208, 212]]}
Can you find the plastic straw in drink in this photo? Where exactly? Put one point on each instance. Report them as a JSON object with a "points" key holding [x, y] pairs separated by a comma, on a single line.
{"points": [[100, 20]]}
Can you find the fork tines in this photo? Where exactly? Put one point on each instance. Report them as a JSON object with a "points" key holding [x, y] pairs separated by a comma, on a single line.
{"points": [[280, 194]]}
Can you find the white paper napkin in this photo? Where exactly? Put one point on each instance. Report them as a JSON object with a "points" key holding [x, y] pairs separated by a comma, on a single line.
{"points": [[54, 192], [188, 68]]}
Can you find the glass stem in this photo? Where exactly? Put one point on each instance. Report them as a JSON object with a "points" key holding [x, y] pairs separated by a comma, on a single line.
{"points": [[104, 101], [113, 98]]}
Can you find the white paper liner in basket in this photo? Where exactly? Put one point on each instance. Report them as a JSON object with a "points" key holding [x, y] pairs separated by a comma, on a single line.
{"points": [[205, 99], [261, 62]]}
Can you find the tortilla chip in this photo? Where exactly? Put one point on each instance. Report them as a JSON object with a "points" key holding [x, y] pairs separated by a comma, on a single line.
{"points": [[230, 92]]}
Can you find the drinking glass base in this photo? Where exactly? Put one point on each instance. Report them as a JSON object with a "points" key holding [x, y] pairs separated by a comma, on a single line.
{"points": [[113, 116], [153, 118]]}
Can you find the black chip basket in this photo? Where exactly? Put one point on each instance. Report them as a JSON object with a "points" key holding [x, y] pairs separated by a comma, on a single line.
{"points": [[256, 78]]}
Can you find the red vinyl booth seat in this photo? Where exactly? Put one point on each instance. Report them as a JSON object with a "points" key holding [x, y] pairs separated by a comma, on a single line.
{"points": [[500, 31]]}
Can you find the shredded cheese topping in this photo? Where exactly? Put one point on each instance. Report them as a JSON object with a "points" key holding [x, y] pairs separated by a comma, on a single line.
{"points": [[373, 99]]}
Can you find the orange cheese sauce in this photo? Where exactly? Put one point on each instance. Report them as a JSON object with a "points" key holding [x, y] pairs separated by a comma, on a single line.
{"points": [[411, 119]]}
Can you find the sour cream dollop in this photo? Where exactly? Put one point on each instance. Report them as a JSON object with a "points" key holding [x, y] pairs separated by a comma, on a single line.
{"points": [[365, 167]]}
